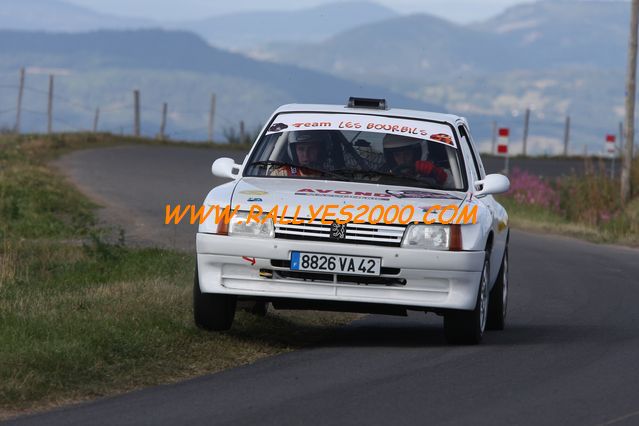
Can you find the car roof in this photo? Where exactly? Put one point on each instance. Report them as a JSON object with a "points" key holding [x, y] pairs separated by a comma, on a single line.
{"points": [[397, 112]]}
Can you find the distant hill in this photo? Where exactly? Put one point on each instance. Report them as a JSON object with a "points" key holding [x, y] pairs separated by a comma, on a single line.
{"points": [[406, 49], [559, 57], [101, 68], [57, 15], [250, 29], [246, 30], [550, 33], [422, 47]]}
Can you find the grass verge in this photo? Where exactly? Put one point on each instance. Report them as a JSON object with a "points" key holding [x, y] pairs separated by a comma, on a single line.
{"points": [[82, 315], [624, 230], [587, 207]]}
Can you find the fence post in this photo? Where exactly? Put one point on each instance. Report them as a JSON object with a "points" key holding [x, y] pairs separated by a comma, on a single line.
{"points": [[525, 138], [211, 117], [20, 93], [165, 107], [242, 133], [96, 119], [136, 112], [50, 106], [566, 135], [494, 139]]}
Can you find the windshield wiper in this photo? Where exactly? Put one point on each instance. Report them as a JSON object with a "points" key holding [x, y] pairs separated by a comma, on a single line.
{"points": [[283, 163]]}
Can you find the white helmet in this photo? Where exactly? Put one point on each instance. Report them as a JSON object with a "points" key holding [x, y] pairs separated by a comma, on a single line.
{"points": [[393, 143]]}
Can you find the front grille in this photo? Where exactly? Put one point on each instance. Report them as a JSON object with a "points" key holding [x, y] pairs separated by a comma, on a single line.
{"points": [[342, 279], [357, 233]]}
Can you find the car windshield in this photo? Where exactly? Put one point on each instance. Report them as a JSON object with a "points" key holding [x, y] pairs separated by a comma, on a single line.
{"points": [[359, 148]]}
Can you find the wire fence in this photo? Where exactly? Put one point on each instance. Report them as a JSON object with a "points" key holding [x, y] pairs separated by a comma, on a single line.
{"points": [[123, 115], [63, 113]]}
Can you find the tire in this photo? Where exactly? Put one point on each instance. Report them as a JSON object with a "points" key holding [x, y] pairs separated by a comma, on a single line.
{"points": [[212, 311], [467, 327], [498, 301]]}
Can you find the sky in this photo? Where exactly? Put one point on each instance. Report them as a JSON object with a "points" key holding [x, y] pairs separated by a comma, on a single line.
{"points": [[461, 11]]}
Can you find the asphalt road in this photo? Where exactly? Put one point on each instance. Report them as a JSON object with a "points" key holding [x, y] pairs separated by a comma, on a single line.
{"points": [[570, 353]]}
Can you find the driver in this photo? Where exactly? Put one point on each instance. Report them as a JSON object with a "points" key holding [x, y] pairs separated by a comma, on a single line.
{"points": [[403, 158], [305, 150]]}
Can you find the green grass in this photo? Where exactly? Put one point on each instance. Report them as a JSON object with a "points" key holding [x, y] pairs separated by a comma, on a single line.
{"points": [[82, 315]]}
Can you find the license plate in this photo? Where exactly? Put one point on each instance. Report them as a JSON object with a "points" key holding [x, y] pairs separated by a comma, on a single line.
{"points": [[335, 263]]}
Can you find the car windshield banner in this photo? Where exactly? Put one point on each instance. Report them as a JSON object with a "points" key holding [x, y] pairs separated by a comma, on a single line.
{"points": [[425, 130]]}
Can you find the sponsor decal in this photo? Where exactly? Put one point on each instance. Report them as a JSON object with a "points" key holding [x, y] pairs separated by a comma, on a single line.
{"points": [[277, 127], [442, 137], [426, 130], [421, 194], [254, 200], [253, 192], [340, 193], [251, 260]]}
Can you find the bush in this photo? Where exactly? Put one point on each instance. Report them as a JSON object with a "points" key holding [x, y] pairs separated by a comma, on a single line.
{"points": [[529, 189], [593, 198]]}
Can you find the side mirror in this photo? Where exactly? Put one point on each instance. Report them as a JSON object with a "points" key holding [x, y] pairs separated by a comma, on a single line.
{"points": [[225, 168], [492, 184]]}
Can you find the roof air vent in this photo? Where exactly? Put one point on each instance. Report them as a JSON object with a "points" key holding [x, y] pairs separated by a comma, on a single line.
{"points": [[354, 102]]}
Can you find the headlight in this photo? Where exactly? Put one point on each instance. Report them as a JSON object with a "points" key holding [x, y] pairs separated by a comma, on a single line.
{"points": [[239, 226], [432, 237]]}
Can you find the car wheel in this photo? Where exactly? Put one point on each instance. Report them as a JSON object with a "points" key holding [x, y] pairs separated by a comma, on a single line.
{"points": [[467, 327], [212, 311], [498, 302]]}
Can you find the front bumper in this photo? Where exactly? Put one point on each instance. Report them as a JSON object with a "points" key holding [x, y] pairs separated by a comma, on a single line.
{"points": [[433, 279]]}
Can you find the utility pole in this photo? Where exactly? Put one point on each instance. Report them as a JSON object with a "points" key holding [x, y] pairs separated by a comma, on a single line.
{"points": [[494, 140], [621, 135], [165, 107], [566, 135], [20, 93], [136, 108], [50, 106], [525, 139], [211, 117], [96, 119], [630, 104], [242, 133]]}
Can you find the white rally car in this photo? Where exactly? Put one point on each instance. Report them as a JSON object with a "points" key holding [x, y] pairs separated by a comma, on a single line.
{"points": [[369, 157]]}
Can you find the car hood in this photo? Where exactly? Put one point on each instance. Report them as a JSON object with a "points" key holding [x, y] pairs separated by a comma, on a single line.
{"points": [[270, 192]]}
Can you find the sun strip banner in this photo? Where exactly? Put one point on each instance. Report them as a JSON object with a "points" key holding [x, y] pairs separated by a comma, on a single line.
{"points": [[425, 130]]}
